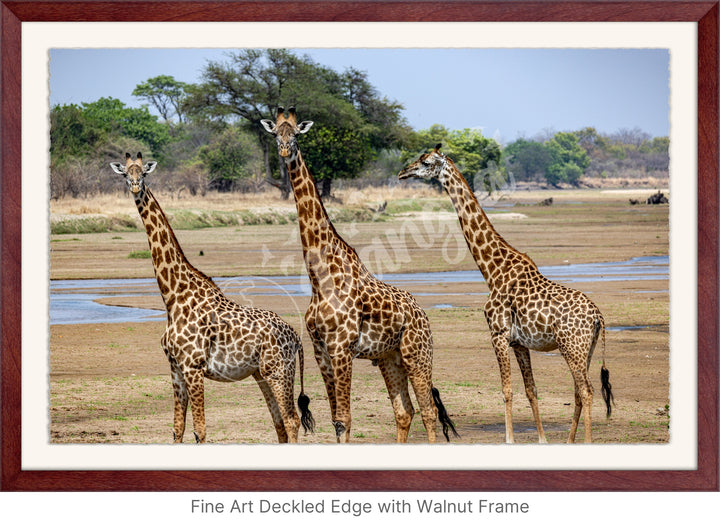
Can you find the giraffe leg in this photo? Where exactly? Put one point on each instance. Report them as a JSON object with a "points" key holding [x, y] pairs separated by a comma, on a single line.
{"points": [[396, 381], [522, 354], [576, 415], [416, 350], [180, 397], [422, 387], [500, 344], [583, 405], [577, 362], [279, 372], [588, 418], [196, 389], [274, 408], [325, 365], [342, 374], [195, 381], [586, 395]]}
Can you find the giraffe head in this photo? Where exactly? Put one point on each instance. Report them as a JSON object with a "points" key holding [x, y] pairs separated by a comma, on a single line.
{"points": [[285, 131], [430, 165], [134, 171]]}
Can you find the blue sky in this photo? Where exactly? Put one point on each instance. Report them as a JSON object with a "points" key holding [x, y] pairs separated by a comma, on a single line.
{"points": [[508, 93]]}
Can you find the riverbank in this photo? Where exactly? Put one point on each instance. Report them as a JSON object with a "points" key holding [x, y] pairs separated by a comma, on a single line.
{"points": [[138, 300]]}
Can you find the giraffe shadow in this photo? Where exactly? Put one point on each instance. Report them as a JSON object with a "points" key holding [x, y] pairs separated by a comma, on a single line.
{"points": [[518, 428]]}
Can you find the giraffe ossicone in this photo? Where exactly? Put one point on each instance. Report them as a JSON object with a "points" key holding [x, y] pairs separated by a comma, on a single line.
{"points": [[525, 310], [352, 315], [210, 336]]}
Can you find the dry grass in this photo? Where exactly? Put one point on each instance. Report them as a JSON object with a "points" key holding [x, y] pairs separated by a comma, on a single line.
{"points": [[122, 203]]}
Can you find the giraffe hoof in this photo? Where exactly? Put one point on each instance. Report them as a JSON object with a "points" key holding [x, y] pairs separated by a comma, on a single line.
{"points": [[197, 438], [339, 429]]}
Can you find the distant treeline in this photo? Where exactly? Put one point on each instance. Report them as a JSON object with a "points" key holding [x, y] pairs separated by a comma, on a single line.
{"points": [[208, 135]]}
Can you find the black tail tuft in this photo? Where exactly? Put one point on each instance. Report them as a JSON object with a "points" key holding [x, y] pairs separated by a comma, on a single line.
{"points": [[447, 423], [306, 417], [606, 389]]}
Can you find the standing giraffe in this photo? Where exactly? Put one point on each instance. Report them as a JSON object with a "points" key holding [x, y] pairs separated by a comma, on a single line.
{"points": [[354, 315], [210, 336], [525, 310]]}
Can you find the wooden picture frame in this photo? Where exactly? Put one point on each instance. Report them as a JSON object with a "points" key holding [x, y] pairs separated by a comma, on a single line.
{"points": [[705, 477]]}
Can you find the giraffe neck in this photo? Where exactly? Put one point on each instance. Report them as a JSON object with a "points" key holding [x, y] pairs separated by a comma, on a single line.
{"points": [[317, 232], [487, 247], [174, 274]]}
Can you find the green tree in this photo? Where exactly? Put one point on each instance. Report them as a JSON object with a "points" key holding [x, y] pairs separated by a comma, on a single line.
{"points": [[229, 158], [253, 83], [480, 158], [568, 159], [425, 139], [248, 88], [332, 153], [115, 118], [388, 129], [592, 141], [661, 145], [528, 160], [84, 138], [165, 93], [658, 154], [73, 133]]}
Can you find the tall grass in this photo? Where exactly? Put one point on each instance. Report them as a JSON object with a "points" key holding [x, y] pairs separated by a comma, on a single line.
{"points": [[117, 212], [92, 224]]}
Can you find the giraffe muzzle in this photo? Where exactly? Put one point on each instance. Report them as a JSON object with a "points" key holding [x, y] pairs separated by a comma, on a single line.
{"points": [[404, 174], [135, 185]]}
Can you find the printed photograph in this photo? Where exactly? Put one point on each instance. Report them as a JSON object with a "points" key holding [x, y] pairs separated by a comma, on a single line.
{"points": [[368, 246]]}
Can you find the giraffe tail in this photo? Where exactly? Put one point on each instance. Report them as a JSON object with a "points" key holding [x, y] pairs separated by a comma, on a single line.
{"points": [[306, 417], [606, 387], [447, 423]]}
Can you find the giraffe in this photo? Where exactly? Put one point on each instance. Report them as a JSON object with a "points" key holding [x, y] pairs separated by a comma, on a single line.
{"points": [[525, 310], [352, 314], [210, 336]]}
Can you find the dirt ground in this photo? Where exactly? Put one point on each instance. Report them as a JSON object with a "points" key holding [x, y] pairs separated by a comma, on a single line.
{"points": [[110, 383]]}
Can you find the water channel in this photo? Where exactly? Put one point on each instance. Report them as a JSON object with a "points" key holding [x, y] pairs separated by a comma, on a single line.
{"points": [[74, 301]]}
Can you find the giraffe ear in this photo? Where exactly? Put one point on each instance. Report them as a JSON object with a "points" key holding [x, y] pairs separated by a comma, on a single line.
{"points": [[268, 125], [304, 126], [118, 167], [149, 167]]}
